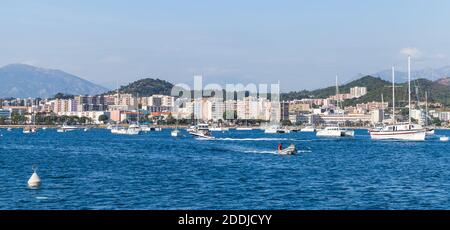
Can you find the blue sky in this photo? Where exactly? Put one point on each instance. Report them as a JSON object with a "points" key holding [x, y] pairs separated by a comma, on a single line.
{"points": [[303, 44]]}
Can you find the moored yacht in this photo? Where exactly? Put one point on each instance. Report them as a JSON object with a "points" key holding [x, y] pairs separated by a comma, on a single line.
{"points": [[402, 131], [308, 129], [331, 131], [66, 128]]}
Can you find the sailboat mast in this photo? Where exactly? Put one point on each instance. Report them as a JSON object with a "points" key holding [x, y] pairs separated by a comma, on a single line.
{"points": [[393, 94], [426, 108], [409, 87]]}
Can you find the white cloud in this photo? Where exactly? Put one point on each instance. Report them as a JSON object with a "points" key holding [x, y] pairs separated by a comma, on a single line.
{"points": [[411, 51]]}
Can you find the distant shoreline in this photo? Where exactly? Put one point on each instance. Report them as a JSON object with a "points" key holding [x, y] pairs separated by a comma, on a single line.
{"points": [[161, 126]]}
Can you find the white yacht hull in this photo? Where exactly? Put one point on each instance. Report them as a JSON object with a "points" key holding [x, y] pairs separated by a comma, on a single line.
{"points": [[270, 131], [218, 129], [330, 133], [201, 135], [407, 135], [244, 129], [308, 130]]}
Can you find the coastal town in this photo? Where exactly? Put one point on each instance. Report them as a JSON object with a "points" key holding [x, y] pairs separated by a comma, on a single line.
{"points": [[125, 108]]}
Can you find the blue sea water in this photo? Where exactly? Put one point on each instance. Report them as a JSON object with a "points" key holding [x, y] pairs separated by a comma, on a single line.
{"points": [[239, 170]]}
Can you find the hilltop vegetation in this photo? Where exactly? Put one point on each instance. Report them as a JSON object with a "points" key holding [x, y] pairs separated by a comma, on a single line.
{"points": [[146, 87], [437, 92]]}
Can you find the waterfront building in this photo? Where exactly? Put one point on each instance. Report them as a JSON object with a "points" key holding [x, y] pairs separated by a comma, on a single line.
{"points": [[377, 116], [5, 113], [93, 115], [158, 103], [90, 103]]}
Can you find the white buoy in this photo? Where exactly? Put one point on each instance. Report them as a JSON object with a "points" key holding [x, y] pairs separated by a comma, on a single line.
{"points": [[35, 180]]}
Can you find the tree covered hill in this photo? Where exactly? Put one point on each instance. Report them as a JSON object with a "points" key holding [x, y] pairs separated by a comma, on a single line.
{"points": [[146, 87], [437, 92]]}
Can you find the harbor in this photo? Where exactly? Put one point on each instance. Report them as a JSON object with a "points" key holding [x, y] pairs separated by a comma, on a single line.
{"points": [[236, 170]]}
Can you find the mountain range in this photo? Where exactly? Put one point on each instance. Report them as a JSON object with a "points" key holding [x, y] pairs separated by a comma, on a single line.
{"points": [[426, 73], [23, 81]]}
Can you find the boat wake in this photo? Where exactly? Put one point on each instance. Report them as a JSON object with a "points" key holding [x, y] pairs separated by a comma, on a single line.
{"points": [[252, 139], [259, 151]]}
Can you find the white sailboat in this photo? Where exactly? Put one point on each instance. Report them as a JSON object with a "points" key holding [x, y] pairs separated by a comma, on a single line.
{"points": [[402, 131]]}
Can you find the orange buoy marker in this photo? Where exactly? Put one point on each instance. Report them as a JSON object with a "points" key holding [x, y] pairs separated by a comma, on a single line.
{"points": [[34, 181]]}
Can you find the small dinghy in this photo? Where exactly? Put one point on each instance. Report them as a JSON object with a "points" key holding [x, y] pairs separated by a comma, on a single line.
{"points": [[443, 138], [291, 150]]}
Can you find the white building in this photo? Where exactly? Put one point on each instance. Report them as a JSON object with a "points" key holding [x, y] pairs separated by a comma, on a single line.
{"points": [[94, 115], [357, 92], [377, 116]]}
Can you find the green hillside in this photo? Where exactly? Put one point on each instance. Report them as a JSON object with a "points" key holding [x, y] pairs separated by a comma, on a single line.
{"points": [[437, 92], [146, 87]]}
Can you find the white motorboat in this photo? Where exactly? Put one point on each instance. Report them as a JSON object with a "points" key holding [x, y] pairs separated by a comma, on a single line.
{"points": [[28, 130], [9, 129], [291, 150], [145, 128], [202, 132], [270, 130], [443, 138], [244, 128], [276, 129], [335, 130], [131, 130], [402, 131], [331, 131], [429, 131], [308, 129], [66, 128], [175, 133], [191, 128], [218, 129]]}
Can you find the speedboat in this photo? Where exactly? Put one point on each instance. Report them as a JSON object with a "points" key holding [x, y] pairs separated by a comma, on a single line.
{"points": [[291, 150], [331, 131], [202, 132], [174, 133], [443, 138], [66, 128], [145, 128], [28, 130]]}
